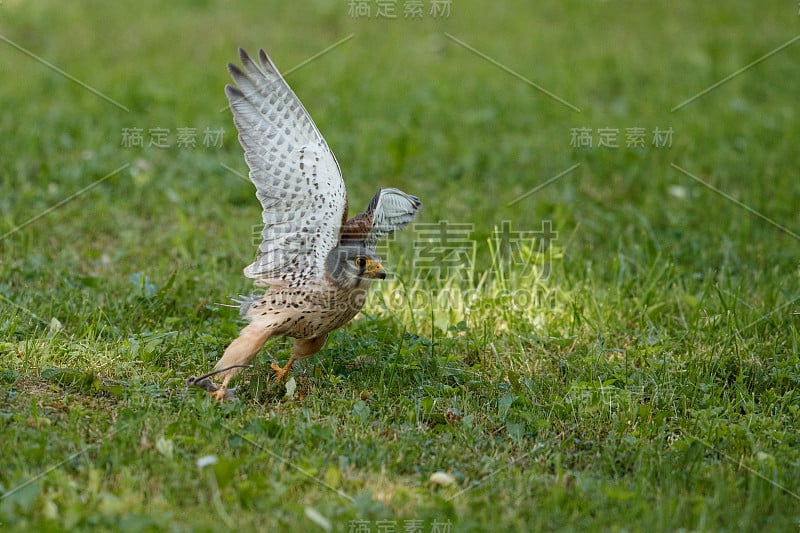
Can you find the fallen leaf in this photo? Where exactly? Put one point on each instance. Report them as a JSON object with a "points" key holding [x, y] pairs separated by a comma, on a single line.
{"points": [[206, 460], [442, 478], [164, 447], [291, 386]]}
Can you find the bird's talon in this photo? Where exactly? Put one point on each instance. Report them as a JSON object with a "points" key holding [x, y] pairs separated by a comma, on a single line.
{"points": [[224, 394], [219, 394], [280, 373]]}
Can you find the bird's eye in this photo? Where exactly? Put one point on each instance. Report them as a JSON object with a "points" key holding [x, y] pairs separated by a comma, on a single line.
{"points": [[361, 262]]}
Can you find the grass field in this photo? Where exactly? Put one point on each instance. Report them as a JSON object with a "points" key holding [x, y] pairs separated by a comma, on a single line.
{"points": [[634, 369]]}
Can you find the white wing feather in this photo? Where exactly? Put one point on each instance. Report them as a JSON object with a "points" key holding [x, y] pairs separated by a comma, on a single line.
{"points": [[297, 178], [390, 209]]}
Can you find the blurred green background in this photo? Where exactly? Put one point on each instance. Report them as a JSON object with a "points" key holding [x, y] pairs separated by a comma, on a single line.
{"points": [[653, 387]]}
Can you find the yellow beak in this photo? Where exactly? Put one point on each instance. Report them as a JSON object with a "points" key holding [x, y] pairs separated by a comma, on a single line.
{"points": [[375, 270]]}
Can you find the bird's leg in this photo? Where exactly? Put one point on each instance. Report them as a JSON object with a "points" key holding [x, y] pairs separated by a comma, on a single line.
{"points": [[280, 373], [237, 355], [301, 349], [222, 392]]}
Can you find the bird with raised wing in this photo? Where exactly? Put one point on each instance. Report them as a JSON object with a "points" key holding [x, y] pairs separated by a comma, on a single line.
{"points": [[315, 261]]}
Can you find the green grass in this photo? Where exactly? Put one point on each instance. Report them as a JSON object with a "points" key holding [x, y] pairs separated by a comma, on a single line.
{"points": [[641, 375]]}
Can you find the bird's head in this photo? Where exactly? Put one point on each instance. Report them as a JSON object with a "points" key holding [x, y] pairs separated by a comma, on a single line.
{"points": [[350, 266]]}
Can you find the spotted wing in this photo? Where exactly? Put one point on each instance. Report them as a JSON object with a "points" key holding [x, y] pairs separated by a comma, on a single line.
{"points": [[296, 176], [389, 210]]}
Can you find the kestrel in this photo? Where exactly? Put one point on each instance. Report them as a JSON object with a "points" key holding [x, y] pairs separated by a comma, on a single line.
{"points": [[316, 263]]}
